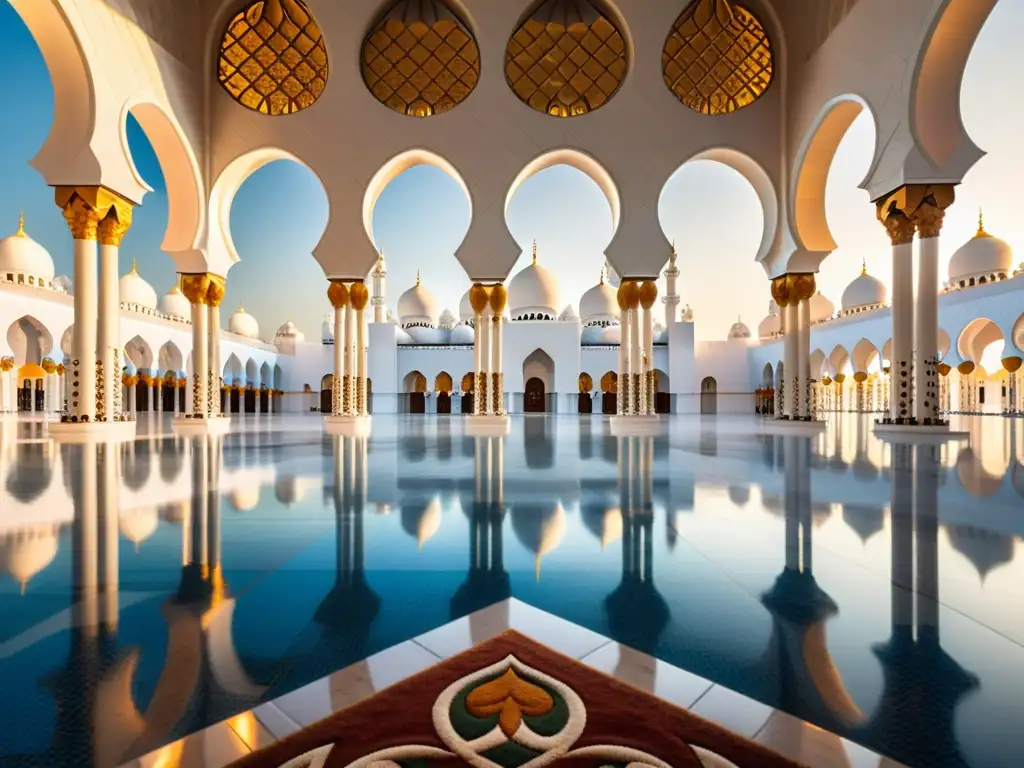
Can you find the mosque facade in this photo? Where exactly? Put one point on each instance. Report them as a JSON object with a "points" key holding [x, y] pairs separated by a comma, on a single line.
{"points": [[556, 358]]}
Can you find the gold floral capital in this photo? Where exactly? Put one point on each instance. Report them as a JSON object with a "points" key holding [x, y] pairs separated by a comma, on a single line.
{"points": [[337, 294], [85, 207], [359, 295], [215, 291], [914, 207], [478, 297], [195, 287], [780, 290], [114, 226], [498, 299], [801, 286]]}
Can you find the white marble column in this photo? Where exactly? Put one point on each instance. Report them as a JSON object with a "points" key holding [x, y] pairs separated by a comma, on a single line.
{"points": [[805, 411], [361, 362], [902, 404], [478, 366], [929, 218], [622, 382], [485, 362], [497, 375], [348, 381], [635, 369], [213, 350], [791, 359], [108, 338], [84, 351], [338, 295], [195, 288], [7, 386], [648, 295]]}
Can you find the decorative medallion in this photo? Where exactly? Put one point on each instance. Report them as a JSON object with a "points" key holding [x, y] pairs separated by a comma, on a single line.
{"points": [[420, 59], [717, 58], [272, 58], [566, 59]]}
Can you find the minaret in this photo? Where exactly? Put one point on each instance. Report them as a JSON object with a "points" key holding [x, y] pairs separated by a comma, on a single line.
{"points": [[671, 297], [380, 272]]}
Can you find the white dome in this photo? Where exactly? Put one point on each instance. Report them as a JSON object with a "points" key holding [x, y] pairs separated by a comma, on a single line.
{"points": [[534, 291], [599, 304], [660, 337], [461, 334], [289, 331], [983, 256], [447, 320], [821, 308], [865, 291], [62, 283], [466, 313], [568, 314], [599, 336], [175, 304], [26, 552], [21, 255], [423, 335], [417, 306], [739, 330], [134, 290], [244, 324], [769, 326]]}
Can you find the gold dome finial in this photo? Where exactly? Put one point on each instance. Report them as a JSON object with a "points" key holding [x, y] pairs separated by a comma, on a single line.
{"points": [[602, 275], [417, 277], [135, 266], [981, 225], [240, 308], [21, 225], [535, 250], [864, 265]]}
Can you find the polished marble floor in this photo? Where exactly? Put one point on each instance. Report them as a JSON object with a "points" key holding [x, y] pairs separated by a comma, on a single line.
{"points": [[154, 589]]}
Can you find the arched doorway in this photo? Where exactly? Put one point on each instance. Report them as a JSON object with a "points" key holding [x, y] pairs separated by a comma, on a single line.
{"points": [[443, 387], [415, 388], [662, 398], [534, 396], [326, 393], [609, 393], [585, 403], [709, 395], [468, 385], [538, 381]]}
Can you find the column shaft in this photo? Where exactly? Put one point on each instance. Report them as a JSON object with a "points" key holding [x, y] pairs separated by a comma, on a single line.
{"points": [[108, 341], [200, 362], [804, 359], [84, 346], [926, 357], [213, 350], [339, 362], [361, 403], [478, 365], [635, 368], [622, 381], [647, 406], [348, 383], [485, 361], [791, 360], [497, 379], [902, 404]]}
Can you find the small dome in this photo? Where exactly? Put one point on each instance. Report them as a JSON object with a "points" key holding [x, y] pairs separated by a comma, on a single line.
{"points": [[292, 489], [417, 306], [25, 552], [540, 531], [770, 326], [175, 304], [461, 334], [568, 314], [289, 331], [327, 327], [821, 308], [422, 525], [739, 330], [134, 290], [983, 256], [138, 525], [600, 336], [533, 292], [244, 324], [599, 304], [62, 283], [865, 292], [423, 335], [466, 313], [21, 255], [447, 320]]}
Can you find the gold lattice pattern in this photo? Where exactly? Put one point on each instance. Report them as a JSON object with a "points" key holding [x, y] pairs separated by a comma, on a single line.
{"points": [[563, 64], [718, 57], [272, 58], [420, 59]]}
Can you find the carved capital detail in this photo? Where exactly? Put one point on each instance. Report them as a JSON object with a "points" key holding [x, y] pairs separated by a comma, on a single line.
{"points": [[85, 207], [914, 206]]}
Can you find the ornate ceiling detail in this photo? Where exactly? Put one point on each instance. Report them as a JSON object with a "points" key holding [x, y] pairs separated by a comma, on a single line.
{"points": [[272, 57], [718, 57], [420, 59], [566, 59]]}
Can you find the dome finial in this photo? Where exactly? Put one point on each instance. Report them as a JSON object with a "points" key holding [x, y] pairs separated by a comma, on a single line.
{"points": [[21, 225], [864, 265], [602, 275], [981, 225], [535, 250], [417, 277], [135, 266]]}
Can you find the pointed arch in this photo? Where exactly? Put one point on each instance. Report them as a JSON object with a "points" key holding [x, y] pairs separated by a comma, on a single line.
{"points": [[29, 340], [169, 357], [139, 353]]}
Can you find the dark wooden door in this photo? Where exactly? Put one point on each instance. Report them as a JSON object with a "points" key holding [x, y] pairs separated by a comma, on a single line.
{"points": [[141, 397], [25, 397], [534, 396], [444, 403], [417, 402], [585, 404], [467, 402], [235, 397], [250, 401], [608, 403], [325, 401], [264, 401], [662, 402]]}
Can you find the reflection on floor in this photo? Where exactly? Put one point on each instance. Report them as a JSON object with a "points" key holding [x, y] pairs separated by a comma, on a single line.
{"points": [[155, 588]]}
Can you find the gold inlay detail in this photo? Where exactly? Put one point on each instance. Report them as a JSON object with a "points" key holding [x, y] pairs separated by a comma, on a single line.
{"points": [[272, 57], [566, 59], [718, 57], [420, 59]]}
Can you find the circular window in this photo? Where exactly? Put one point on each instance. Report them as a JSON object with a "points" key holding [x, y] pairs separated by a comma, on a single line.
{"points": [[717, 58], [272, 58], [566, 59], [420, 59]]}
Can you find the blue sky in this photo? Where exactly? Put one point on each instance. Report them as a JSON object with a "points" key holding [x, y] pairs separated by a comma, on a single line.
{"points": [[422, 216]]}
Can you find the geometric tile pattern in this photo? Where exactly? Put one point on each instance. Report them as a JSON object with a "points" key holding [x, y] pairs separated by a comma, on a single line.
{"points": [[420, 59], [272, 58], [566, 59], [717, 58]]}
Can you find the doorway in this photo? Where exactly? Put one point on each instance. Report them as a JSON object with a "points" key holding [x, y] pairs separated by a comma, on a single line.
{"points": [[709, 396], [534, 396]]}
